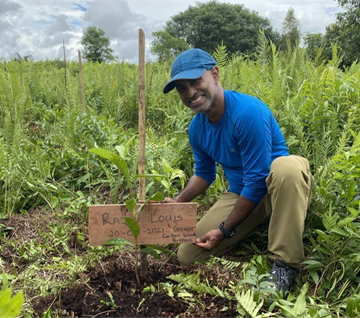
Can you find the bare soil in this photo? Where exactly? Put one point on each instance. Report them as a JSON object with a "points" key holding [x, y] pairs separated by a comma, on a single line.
{"points": [[110, 288], [91, 299]]}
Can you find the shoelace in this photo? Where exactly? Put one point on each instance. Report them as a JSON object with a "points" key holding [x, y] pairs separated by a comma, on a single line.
{"points": [[280, 274]]}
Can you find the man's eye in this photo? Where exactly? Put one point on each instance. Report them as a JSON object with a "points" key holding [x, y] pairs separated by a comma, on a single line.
{"points": [[179, 88], [194, 81]]}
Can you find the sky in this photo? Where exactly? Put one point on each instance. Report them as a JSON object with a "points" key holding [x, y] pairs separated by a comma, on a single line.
{"points": [[39, 28]]}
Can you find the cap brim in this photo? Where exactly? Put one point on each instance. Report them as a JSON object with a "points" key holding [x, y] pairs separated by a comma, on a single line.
{"points": [[191, 74]]}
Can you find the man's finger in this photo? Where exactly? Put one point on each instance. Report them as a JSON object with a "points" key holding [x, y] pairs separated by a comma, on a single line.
{"points": [[203, 245]]}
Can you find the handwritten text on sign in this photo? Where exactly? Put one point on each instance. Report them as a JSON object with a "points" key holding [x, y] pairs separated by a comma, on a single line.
{"points": [[160, 223]]}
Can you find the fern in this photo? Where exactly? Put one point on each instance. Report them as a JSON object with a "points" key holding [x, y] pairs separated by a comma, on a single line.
{"points": [[192, 282], [271, 84], [330, 219], [247, 306], [221, 55], [226, 263]]}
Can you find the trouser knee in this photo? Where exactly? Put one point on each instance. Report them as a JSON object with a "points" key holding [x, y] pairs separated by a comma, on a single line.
{"points": [[290, 170], [185, 257]]}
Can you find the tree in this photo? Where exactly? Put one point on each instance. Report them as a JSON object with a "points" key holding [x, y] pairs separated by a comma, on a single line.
{"points": [[18, 58], [317, 48], [349, 4], [290, 34], [346, 31], [331, 37], [96, 46], [314, 42], [166, 46], [207, 25]]}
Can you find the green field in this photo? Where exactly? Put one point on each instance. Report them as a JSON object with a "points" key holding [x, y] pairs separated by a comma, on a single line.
{"points": [[48, 178]]}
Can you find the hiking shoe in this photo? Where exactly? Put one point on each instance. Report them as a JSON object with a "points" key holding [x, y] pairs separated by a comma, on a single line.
{"points": [[283, 277]]}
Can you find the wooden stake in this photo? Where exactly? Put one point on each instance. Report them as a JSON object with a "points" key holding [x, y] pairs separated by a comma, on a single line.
{"points": [[64, 62], [81, 81], [142, 122]]}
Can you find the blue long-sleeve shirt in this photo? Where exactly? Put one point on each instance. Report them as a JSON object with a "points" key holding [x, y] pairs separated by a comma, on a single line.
{"points": [[244, 142]]}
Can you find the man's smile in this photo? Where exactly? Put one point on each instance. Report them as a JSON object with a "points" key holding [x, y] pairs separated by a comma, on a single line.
{"points": [[196, 100]]}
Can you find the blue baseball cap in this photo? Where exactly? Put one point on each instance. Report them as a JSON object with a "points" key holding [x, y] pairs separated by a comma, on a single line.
{"points": [[189, 65]]}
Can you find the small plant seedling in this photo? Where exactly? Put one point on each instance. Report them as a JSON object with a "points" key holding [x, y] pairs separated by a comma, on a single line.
{"points": [[132, 223]]}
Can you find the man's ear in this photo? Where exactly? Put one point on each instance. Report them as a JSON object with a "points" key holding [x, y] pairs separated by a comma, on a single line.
{"points": [[215, 73]]}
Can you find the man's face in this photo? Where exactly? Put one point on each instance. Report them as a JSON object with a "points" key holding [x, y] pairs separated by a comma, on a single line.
{"points": [[199, 94]]}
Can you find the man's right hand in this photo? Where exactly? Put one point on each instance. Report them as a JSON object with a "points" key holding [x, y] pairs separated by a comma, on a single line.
{"points": [[169, 200]]}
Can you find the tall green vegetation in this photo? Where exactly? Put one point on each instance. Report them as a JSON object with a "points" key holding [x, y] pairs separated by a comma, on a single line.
{"points": [[46, 134]]}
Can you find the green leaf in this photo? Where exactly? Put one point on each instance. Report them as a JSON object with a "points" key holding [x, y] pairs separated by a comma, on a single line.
{"points": [[151, 251], [346, 221], [167, 168], [325, 251], [185, 295], [10, 307], [120, 163], [133, 227], [287, 308], [300, 304], [121, 150], [353, 306], [353, 212], [131, 204], [158, 196], [351, 192], [340, 232], [5, 280], [7, 277], [117, 241], [323, 235], [165, 184], [312, 264], [162, 250], [314, 275], [149, 175]]}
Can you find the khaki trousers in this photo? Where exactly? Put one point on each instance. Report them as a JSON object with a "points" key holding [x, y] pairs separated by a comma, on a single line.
{"points": [[284, 206]]}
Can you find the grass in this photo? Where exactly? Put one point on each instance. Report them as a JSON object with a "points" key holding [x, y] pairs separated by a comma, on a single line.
{"points": [[48, 177]]}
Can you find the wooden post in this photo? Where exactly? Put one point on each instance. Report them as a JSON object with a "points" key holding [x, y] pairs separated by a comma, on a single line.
{"points": [[142, 119], [142, 122], [81, 81], [64, 62]]}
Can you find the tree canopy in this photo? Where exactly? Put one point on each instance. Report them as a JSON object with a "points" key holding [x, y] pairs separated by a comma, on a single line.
{"points": [[166, 46], [290, 35], [96, 46], [346, 32], [207, 25]]}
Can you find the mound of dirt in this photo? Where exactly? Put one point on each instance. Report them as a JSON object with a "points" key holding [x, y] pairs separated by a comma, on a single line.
{"points": [[110, 288], [113, 291]]}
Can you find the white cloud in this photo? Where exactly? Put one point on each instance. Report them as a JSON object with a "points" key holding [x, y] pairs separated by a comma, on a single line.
{"points": [[8, 6], [39, 27], [114, 17]]}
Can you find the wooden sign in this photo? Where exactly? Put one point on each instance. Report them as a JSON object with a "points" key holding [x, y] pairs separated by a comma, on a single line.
{"points": [[160, 223]]}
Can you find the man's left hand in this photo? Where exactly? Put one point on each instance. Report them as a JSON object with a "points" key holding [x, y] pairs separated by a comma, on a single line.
{"points": [[210, 240]]}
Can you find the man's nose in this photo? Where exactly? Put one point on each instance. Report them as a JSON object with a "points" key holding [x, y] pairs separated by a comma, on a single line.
{"points": [[190, 91]]}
